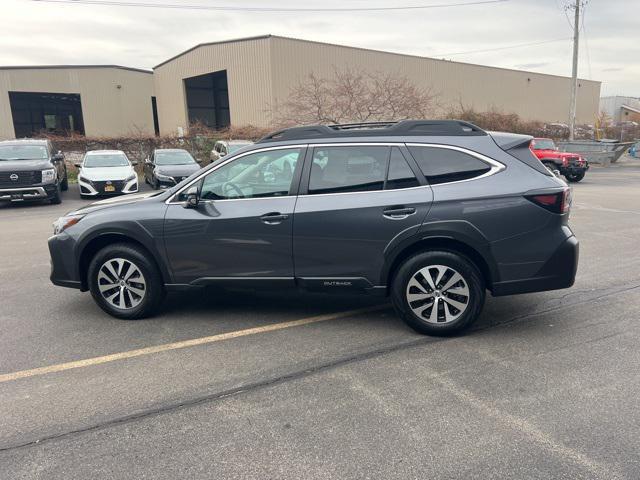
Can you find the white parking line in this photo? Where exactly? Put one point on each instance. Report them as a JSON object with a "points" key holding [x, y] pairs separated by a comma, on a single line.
{"points": [[7, 377]]}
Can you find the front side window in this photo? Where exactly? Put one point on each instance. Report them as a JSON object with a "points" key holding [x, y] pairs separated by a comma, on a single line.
{"points": [[442, 165], [261, 174], [343, 169], [105, 160]]}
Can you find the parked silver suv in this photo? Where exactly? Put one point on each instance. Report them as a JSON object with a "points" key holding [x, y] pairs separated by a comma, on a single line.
{"points": [[432, 213]]}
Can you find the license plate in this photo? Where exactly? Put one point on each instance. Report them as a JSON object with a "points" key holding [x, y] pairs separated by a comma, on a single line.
{"points": [[109, 188]]}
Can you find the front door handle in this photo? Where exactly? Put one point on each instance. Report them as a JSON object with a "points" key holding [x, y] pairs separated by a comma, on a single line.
{"points": [[273, 218], [398, 212]]}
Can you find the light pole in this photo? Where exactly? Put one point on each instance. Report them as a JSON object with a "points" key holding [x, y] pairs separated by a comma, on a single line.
{"points": [[574, 72]]}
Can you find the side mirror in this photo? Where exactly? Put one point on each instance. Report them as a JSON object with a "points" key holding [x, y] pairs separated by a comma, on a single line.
{"points": [[222, 154], [134, 162], [148, 161], [191, 197], [58, 157], [78, 165]]}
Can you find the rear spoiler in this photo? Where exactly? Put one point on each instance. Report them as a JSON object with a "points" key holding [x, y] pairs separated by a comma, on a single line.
{"points": [[517, 146], [507, 141]]}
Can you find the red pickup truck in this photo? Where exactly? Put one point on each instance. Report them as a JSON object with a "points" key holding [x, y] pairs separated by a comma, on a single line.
{"points": [[571, 165]]}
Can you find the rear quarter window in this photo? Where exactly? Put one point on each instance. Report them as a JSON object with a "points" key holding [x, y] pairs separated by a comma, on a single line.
{"points": [[443, 165]]}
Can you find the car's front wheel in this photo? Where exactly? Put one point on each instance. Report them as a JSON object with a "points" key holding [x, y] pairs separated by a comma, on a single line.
{"points": [[438, 292], [574, 177], [64, 185], [56, 198], [125, 281]]}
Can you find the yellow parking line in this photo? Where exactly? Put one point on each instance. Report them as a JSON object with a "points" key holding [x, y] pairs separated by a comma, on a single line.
{"points": [[7, 377]]}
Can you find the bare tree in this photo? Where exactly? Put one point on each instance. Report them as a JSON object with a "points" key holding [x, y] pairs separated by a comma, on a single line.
{"points": [[354, 96]]}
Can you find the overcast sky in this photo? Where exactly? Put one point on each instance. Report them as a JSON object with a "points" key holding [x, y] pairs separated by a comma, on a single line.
{"points": [[36, 33]]}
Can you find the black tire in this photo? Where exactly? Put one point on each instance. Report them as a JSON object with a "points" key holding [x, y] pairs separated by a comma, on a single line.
{"points": [[155, 184], [574, 177], [56, 199], [64, 185], [154, 286], [472, 280]]}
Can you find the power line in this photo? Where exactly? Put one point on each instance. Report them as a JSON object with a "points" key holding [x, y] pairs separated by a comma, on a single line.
{"points": [[519, 45], [121, 3]]}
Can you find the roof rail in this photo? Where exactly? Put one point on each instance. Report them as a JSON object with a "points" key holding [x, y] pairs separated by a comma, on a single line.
{"points": [[405, 127]]}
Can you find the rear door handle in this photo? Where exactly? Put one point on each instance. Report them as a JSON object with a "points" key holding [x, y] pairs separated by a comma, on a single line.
{"points": [[273, 218], [398, 212]]}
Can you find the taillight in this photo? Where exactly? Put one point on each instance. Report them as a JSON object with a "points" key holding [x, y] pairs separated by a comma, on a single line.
{"points": [[559, 202]]}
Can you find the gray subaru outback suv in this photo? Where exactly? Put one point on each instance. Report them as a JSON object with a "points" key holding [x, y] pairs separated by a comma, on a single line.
{"points": [[432, 213]]}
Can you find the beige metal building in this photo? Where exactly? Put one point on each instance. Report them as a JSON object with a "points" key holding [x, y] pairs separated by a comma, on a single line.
{"points": [[102, 100], [239, 81]]}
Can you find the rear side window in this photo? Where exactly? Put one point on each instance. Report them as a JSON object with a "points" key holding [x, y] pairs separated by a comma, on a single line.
{"points": [[348, 169], [400, 174], [441, 165]]}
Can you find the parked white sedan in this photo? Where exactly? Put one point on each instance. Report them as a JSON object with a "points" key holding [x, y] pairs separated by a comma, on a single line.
{"points": [[106, 172]]}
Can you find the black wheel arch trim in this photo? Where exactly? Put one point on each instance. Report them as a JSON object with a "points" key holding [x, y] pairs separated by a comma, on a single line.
{"points": [[129, 232], [458, 236]]}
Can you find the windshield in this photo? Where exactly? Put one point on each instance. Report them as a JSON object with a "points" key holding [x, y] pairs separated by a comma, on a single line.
{"points": [[106, 160], [236, 146], [544, 144], [23, 152], [174, 158]]}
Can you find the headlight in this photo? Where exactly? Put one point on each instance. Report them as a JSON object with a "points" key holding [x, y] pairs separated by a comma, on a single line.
{"points": [[163, 177], [49, 175], [131, 177], [83, 179], [65, 222]]}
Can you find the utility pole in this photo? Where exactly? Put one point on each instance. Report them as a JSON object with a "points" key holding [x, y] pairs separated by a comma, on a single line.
{"points": [[574, 72]]}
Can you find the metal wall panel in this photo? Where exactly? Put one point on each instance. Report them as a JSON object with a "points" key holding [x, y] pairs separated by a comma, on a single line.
{"points": [[248, 69], [107, 110], [533, 96], [261, 72]]}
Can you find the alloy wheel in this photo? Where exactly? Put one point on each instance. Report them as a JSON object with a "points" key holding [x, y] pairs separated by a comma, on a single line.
{"points": [[437, 294], [121, 283]]}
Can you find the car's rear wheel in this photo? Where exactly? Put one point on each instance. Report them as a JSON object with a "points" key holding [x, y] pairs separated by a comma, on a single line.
{"points": [[125, 281], [438, 292], [574, 177]]}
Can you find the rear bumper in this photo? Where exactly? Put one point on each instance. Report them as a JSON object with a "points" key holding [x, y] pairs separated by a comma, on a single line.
{"points": [[557, 273]]}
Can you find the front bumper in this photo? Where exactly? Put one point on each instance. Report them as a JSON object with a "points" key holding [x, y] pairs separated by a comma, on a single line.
{"points": [[558, 272], [64, 271], [94, 189], [25, 194]]}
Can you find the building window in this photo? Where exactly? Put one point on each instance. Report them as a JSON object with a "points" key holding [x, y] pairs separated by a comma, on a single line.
{"points": [[59, 113], [208, 100], [154, 110]]}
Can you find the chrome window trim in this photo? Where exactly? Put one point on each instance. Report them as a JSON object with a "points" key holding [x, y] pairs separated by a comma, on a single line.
{"points": [[496, 167], [169, 201], [389, 191]]}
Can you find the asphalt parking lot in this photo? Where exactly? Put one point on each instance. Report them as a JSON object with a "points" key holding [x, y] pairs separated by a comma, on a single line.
{"points": [[312, 386]]}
